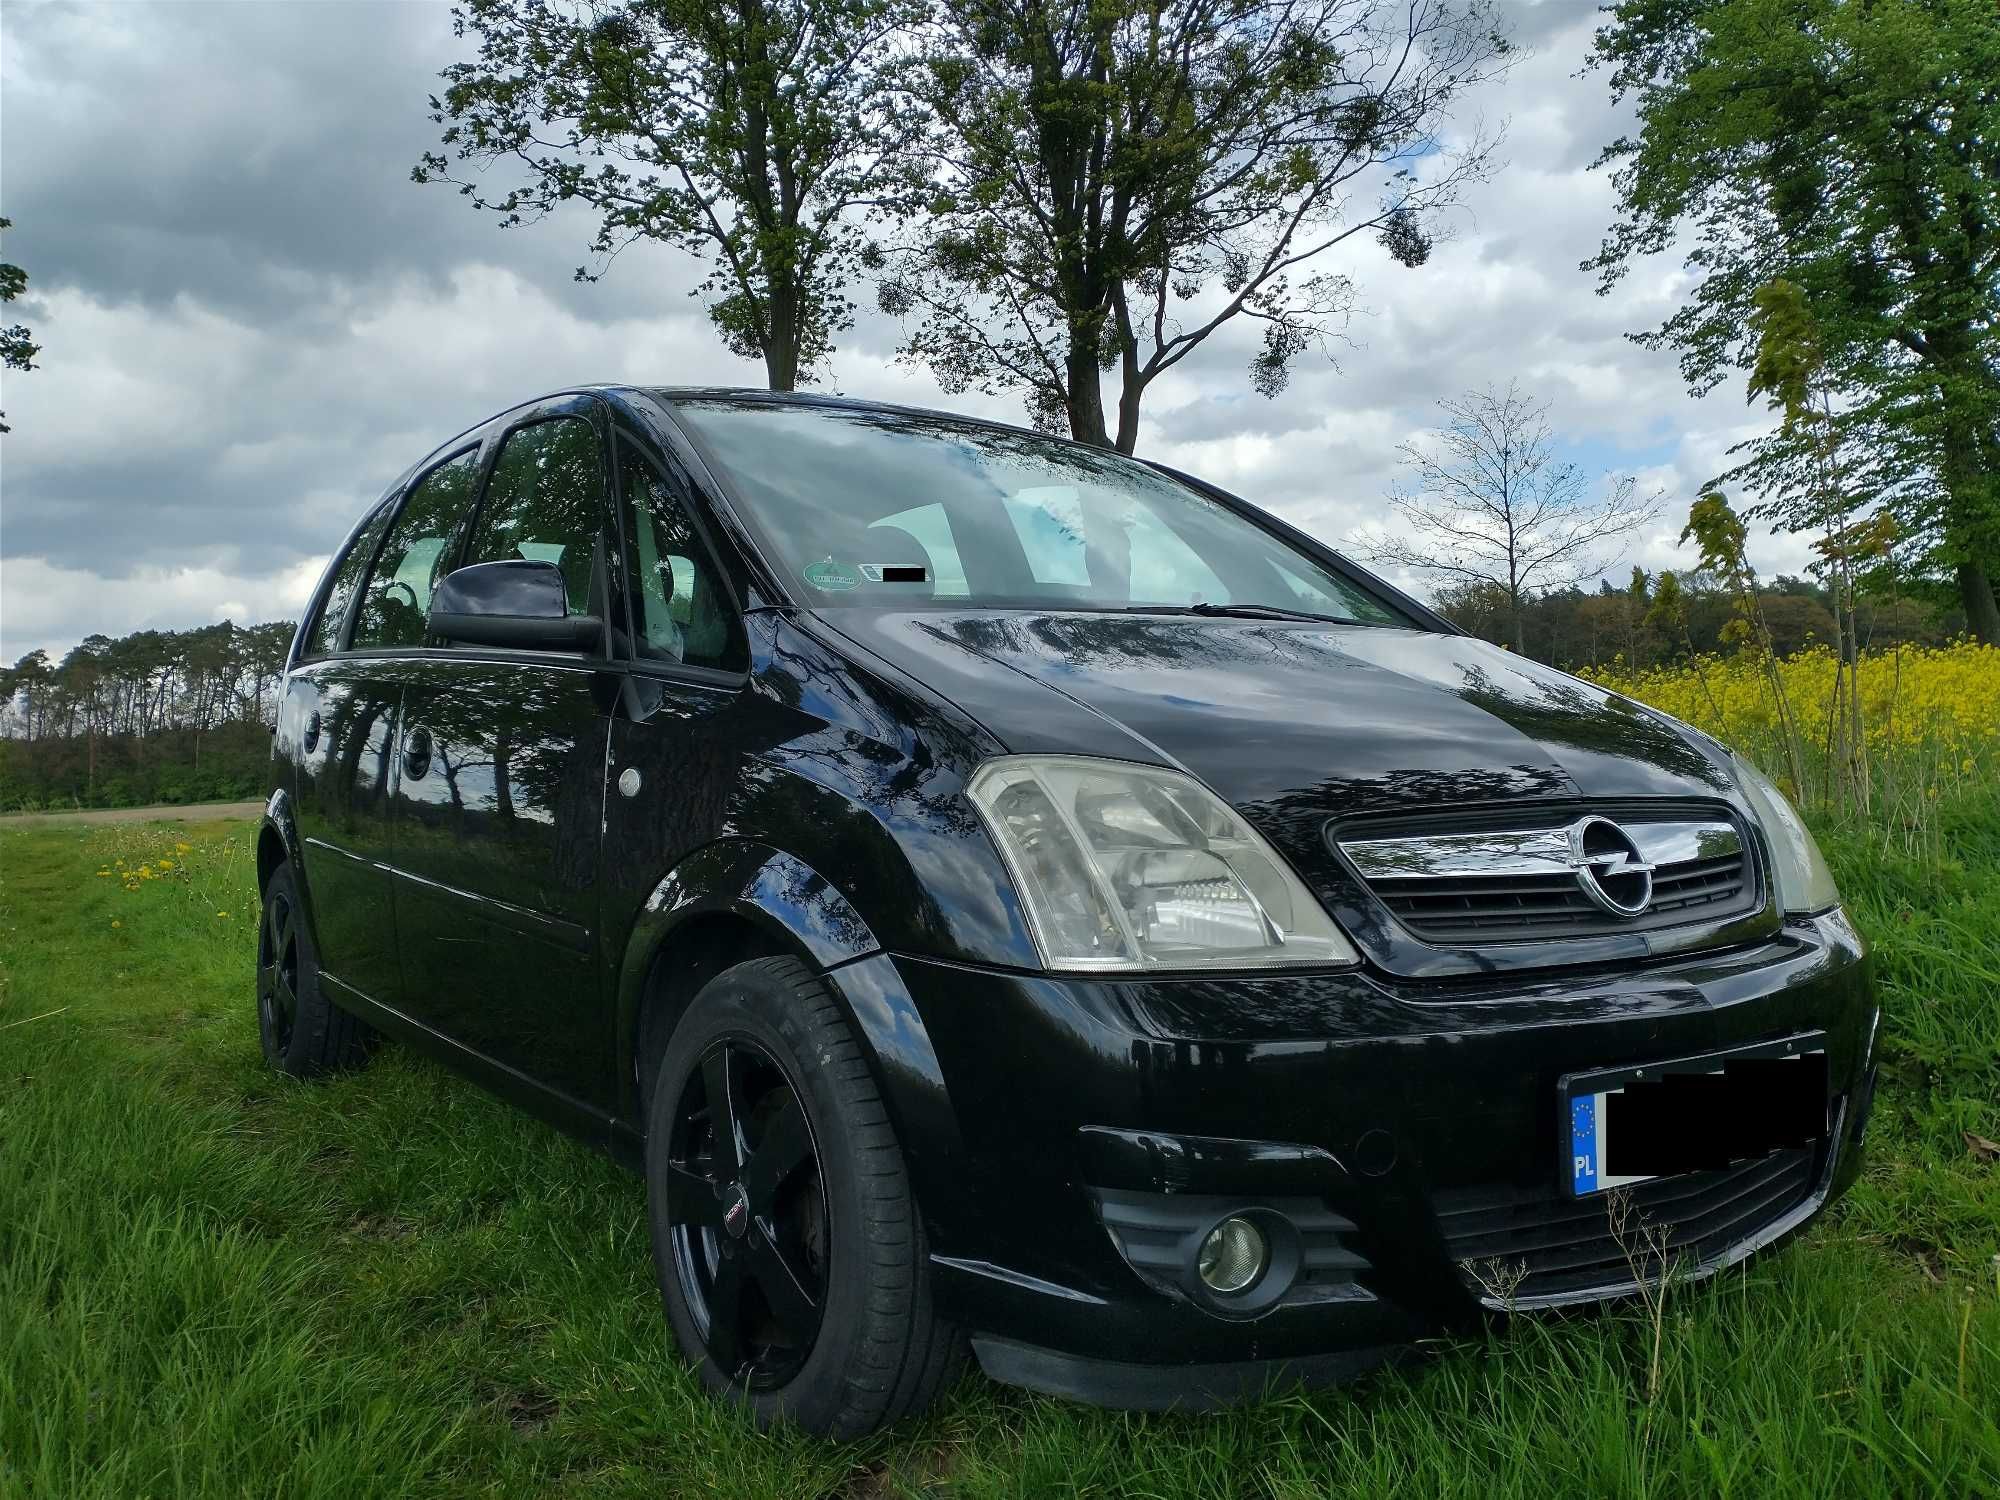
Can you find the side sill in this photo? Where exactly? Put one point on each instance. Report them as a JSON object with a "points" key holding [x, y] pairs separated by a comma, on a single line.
{"points": [[571, 1116]]}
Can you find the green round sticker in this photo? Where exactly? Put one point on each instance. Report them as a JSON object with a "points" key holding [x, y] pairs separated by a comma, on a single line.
{"points": [[832, 577]]}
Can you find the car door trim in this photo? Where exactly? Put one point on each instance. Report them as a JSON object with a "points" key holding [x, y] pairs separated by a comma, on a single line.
{"points": [[523, 919]]}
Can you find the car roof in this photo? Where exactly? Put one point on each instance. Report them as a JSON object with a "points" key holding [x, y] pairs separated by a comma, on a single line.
{"points": [[759, 396]]}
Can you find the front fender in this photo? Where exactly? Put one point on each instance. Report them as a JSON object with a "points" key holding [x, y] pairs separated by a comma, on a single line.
{"points": [[802, 912], [770, 888]]}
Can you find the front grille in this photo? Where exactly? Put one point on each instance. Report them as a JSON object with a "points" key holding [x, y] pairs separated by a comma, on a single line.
{"points": [[1473, 910], [1512, 1243], [1471, 886]]}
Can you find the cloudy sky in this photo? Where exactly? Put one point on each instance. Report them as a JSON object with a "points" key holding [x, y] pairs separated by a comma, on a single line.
{"points": [[252, 319]]}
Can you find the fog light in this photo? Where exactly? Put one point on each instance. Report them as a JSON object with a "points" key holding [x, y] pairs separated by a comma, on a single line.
{"points": [[1233, 1256]]}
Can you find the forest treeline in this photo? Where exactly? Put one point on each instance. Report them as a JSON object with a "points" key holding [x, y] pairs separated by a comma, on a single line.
{"points": [[1666, 617], [170, 716], [155, 716]]}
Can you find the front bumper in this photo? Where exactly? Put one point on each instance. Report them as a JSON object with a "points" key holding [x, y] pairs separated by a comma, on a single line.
{"points": [[1403, 1120]]}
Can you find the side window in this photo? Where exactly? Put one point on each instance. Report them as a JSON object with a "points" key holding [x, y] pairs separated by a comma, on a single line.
{"points": [[1165, 569], [546, 502], [324, 637], [1102, 541], [679, 608], [398, 598], [1049, 521], [932, 528], [1332, 595]]}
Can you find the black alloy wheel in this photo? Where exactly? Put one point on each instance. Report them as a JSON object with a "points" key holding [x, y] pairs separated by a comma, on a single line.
{"points": [[748, 1209], [278, 971], [792, 1260], [302, 1031]]}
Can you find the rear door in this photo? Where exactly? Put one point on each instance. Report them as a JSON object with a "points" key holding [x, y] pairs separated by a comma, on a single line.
{"points": [[499, 796], [344, 699]]}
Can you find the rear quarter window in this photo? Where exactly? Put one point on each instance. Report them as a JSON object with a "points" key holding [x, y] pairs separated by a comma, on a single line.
{"points": [[324, 637]]}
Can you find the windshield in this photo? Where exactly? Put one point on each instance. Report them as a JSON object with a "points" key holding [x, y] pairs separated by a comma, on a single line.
{"points": [[873, 508]]}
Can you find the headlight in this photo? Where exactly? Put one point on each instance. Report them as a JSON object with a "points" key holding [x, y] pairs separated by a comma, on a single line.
{"points": [[1130, 867], [1804, 882]]}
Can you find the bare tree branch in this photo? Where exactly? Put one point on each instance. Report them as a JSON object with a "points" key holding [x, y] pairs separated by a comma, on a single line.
{"points": [[1490, 502]]}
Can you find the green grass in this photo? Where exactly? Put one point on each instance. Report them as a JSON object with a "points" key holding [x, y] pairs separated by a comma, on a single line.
{"points": [[217, 1282]]}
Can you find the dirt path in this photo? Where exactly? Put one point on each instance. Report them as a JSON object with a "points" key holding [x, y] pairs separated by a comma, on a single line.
{"points": [[187, 813]]}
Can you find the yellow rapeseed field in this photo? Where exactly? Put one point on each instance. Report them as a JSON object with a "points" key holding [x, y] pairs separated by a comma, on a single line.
{"points": [[1931, 715]]}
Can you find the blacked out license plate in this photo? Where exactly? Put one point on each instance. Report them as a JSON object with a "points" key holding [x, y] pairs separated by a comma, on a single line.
{"points": [[1696, 1114]]}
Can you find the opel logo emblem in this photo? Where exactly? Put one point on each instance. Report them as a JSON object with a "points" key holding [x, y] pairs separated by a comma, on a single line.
{"points": [[735, 1210], [1609, 868]]}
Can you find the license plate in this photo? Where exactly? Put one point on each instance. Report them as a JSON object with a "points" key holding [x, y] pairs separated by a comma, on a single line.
{"points": [[1631, 1125]]}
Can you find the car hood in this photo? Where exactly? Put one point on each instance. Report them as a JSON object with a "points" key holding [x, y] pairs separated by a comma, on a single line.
{"points": [[1294, 718]]}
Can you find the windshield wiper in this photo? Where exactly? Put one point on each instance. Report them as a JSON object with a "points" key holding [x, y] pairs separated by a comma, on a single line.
{"points": [[1241, 612]]}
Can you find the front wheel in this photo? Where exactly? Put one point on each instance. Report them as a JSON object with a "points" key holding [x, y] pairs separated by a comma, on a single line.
{"points": [[790, 1255], [303, 1033]]}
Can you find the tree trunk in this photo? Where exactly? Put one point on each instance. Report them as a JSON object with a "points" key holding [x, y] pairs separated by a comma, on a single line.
{"points": [[1968, 488], [1982, 610], [781, 349], [1086, 395], [1128, 413]]}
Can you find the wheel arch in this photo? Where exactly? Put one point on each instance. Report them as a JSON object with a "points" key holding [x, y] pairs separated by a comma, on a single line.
{"points": [[740, 899], [278, 843]]}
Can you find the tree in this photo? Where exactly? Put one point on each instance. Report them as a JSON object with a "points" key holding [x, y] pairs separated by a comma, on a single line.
{"points": [[17, 345], [1490, 503], [756, 135], [1115, 180], [1851, 147], [1721, 537], [1791, 374]]}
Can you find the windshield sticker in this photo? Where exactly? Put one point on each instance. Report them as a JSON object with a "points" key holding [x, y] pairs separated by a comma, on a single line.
{"points": [[831, 577]]}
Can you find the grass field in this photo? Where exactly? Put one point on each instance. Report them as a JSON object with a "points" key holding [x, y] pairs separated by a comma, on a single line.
{"points": [[217, 1282]]}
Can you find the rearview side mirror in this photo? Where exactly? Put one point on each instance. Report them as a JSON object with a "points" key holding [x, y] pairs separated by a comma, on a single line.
{"points": [[515, 603]]}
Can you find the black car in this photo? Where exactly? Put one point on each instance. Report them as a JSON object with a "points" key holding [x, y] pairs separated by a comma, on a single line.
{"points": [[997, 890]]}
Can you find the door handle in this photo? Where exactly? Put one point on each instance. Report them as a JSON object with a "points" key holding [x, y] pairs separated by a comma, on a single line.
{"points": [[416, 753]]}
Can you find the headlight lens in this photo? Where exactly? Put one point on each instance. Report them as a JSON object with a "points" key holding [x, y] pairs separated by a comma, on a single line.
{"points": [[1132, 867], [1805, 884]]}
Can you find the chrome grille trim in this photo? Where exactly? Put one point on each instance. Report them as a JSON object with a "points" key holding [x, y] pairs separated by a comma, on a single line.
{"points": [[1531, 851], [1477, 886]]}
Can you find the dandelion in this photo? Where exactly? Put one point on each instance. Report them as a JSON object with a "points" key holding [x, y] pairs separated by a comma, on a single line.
{"points": [[166, 864], [183, 848], [103, 874], [222, 914], [116, 923]]}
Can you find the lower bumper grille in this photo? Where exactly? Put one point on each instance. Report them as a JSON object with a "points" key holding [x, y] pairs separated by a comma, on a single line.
{"points": [[1513, 1244]]}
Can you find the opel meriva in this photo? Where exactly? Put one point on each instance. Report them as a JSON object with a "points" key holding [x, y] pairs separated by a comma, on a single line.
{"points": [[1007, 895]]}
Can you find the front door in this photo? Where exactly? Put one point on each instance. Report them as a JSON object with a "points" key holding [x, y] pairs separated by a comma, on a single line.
{"points": [[500, 790]]}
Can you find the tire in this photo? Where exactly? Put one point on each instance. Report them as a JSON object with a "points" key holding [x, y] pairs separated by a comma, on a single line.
{"points": [[303, 1033], [834, 1330]]}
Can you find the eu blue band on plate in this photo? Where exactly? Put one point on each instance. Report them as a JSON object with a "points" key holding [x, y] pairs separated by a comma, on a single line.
{"points": [[1583, 1142]]}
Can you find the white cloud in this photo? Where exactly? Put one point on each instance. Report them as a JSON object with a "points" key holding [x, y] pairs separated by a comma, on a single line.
{"points": [[44, 603], [254, 322]]}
